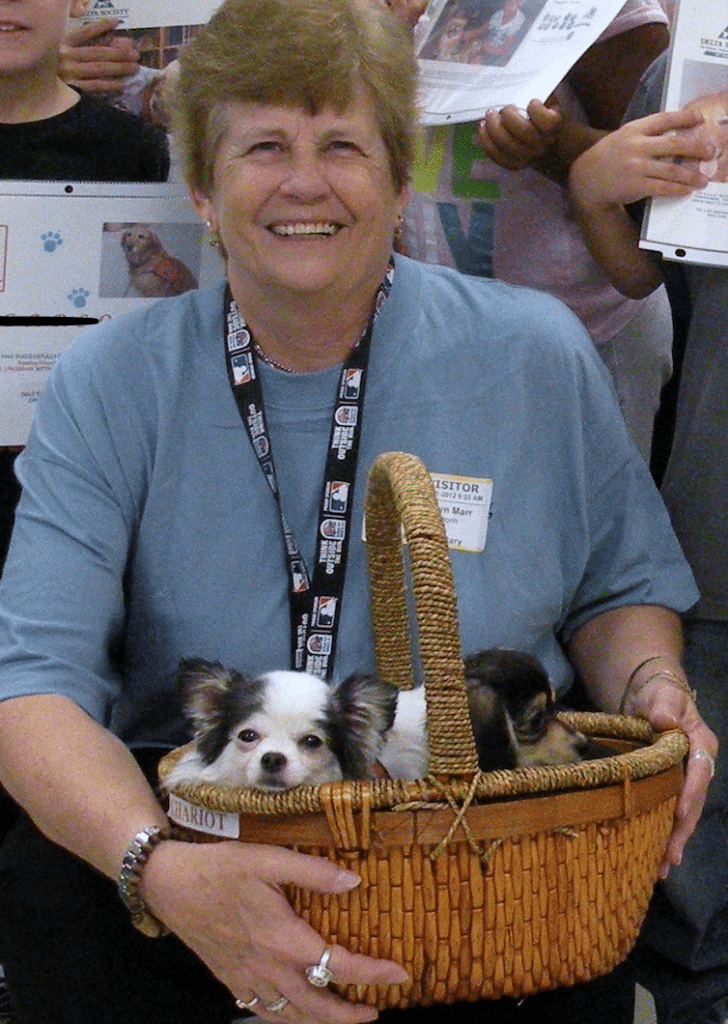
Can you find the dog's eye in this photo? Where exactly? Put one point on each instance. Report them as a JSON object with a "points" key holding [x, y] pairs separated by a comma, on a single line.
{"points": [[537, 722], [248, 736], [311, 742]]}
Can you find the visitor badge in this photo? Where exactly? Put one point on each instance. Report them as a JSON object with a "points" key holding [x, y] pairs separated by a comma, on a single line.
{"points": [[464, 504]]}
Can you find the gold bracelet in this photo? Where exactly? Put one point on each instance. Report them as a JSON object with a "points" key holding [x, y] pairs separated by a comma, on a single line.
{"points": [[664, 673], [675, 679], [647, 661]]}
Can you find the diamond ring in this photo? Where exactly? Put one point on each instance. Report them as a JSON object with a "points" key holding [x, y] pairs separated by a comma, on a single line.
{"points": [[278, 1005], [319, 974]]}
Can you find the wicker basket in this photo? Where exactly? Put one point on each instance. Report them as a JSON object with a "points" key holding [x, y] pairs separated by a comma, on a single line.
{"points": [[481, 885]]}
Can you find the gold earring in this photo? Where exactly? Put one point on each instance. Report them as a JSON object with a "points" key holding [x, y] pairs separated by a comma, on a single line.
{"points": [[214, 240], [398, 242]]}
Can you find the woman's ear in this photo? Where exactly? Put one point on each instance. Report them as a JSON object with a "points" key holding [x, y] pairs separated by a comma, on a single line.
{"points": [[204, 207]]}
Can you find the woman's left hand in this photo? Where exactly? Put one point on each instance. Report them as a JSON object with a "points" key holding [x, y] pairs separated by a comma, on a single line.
{"points": [[665, 706]]}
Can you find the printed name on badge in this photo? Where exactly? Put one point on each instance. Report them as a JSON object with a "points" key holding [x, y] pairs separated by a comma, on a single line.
{"points": [[464, 504]]}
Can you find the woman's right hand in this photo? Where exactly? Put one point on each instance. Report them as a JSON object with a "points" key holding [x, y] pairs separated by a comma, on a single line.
{"points": [[224, 901]]}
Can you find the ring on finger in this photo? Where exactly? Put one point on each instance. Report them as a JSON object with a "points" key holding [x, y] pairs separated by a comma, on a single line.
{"points": [[247, 1004], [319, 975], [703, 755], [278, 1005]]}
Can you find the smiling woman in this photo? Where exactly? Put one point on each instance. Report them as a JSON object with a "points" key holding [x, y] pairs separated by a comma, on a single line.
{"points": [[306, 208]]}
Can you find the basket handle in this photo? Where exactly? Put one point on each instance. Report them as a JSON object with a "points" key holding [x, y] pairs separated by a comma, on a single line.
{"points": [[400, 494]]}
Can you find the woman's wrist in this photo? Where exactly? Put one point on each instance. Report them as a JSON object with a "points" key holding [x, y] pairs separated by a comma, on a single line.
{"points": [[657, 666], [130, 876]]}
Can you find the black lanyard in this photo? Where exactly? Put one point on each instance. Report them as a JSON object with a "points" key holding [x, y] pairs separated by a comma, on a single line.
{"points": [[315, 601]]}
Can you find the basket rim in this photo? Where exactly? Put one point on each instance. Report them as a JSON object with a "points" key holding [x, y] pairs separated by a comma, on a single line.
{"points": [[656, 753]]}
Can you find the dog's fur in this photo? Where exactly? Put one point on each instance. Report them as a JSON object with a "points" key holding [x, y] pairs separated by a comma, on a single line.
{"points": [[281, 729], [286, 729], [153, 273]]}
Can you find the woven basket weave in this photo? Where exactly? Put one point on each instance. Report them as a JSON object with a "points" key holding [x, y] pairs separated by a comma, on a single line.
{"points": [[481, 885]]}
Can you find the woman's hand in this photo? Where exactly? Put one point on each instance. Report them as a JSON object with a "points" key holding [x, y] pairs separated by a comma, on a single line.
{"points": [[514, 141], [224, 901], [94, 61], [632, 655], [666, 706]]}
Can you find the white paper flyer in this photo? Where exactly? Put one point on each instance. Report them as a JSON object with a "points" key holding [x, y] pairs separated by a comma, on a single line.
{"points": [[694, 229], [478, 54]]}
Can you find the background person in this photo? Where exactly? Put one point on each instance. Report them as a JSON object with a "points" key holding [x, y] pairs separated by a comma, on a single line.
{"points": [[148, 530], [50, 132], [490, 198], [684, 952]]}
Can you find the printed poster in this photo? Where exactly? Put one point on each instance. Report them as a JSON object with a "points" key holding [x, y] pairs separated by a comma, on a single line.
{"points": [[694, 228], [481, 54], [73, 258]]}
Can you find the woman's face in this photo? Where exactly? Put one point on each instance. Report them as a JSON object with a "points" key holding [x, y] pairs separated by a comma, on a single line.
{"points": [[304, 204]]}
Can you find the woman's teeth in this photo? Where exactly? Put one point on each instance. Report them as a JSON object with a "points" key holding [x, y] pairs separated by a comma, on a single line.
{"points": [[305, 229]]}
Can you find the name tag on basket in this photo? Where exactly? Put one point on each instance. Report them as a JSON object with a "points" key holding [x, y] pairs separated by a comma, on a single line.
{"points": [[464, 504], [202, 819]]}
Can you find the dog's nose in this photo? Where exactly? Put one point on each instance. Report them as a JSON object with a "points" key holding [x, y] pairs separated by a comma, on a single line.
{"points": [[273, 761]]}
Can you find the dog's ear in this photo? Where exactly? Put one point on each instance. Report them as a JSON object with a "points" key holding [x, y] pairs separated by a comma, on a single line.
{"points": [[204, 686], [516, 675], [361, 711]]}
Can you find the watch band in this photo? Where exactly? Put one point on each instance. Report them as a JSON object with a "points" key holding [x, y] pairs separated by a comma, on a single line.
{"points": [[130, 876]]}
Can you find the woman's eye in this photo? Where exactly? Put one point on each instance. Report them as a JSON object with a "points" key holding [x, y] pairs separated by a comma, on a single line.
{"points": [[311, 742], [248, 736], [267, 146], [344, 145]]}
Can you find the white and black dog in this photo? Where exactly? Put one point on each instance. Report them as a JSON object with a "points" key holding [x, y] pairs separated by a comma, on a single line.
{"points": [[281, 729], [285, 729]]}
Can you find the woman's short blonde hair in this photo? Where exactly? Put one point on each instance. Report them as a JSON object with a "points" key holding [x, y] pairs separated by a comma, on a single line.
{"points": [[310, 54]]}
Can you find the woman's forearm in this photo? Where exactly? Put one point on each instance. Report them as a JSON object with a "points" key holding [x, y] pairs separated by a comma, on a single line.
{"points": [[608, 648], [77, 781]]}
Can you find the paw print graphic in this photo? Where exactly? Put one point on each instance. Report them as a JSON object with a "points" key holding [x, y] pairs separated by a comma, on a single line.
{"points": [[78, 297], [51, 240]]}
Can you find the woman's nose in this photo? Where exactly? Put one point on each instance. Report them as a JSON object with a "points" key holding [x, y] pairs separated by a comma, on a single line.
{"points": [[306, 179]]}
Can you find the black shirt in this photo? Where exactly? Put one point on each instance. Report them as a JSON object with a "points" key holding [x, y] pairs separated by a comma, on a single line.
{"points": [[91, 141]]}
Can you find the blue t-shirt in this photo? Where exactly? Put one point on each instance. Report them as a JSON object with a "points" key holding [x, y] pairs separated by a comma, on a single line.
{"points": [[147, 532]]}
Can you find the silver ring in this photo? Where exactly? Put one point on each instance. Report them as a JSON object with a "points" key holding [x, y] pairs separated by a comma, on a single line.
{"points": [[278, 1005], [319, 974], [703, 755], [243, 1005]]}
